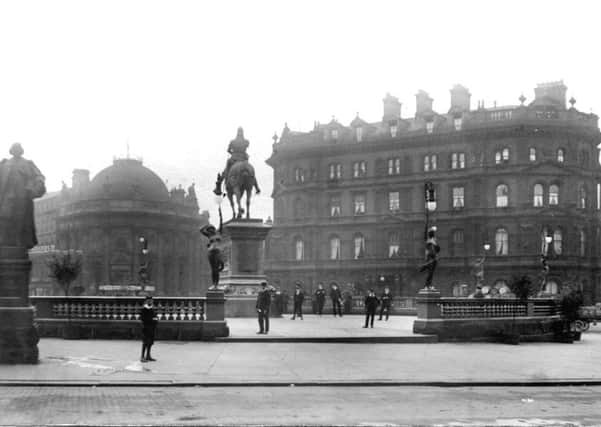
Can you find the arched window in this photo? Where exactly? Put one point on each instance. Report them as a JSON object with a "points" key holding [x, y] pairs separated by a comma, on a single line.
{"points": [[299, 249], [538, 195], [551, 287], [560, 155], [501, 242], [460, 289], [532, 154], [334, 247], [505, 154], [498, 158], [502, 287], [581, 196], [582, 243], [557, 241], [359, 246], [553, 194], [502, 193]]}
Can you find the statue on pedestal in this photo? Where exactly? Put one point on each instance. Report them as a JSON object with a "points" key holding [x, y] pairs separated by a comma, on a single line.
{"points": [[215, 255], [432, 250], [20, 182], [239, 176]]}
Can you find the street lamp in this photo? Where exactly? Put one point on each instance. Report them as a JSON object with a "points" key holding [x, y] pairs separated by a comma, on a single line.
{"points": [[143, 271]]}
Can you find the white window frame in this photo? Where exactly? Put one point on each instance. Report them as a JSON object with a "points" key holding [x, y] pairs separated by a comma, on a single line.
{"points": [[458, 197], [538, 198], [394, 201], [553, 195], [501, 242], [359, 202], [502, 200]]}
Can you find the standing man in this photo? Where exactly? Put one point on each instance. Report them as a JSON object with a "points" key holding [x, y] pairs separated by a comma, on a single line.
{"points": [[299, 297], [263, 304], [320, 297], [386, 303], [336, 299], [371, 305], [149, 321]]}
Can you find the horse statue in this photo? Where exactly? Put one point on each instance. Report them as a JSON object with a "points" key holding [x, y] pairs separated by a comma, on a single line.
{"points": [[239, 177]]}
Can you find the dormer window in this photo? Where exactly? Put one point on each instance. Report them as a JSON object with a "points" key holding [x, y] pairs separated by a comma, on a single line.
{"points": [[458, 122], [429, 127], [393, 128], [334, 133], [359, 134]]}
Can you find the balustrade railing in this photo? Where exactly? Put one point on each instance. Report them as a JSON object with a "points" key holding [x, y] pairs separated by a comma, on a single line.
{"points": [[465, 308], [117, 308]]}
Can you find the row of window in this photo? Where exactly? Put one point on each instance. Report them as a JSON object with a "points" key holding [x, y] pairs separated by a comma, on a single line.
{"points": [[457, 161], [458, 199], [551, 242]]}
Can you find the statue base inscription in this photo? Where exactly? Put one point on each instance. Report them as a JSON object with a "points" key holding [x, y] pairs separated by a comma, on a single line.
{"points": [[244, 248], [18, 335]]}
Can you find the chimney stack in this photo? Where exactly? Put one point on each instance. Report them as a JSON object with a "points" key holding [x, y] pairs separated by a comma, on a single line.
{"points": [[460, 99], [552, 93], [392, 108], [423, 103]]}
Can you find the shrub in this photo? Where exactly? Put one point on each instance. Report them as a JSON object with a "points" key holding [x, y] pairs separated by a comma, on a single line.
{"points": [[65, 267], [523, 287], [570, 301]]}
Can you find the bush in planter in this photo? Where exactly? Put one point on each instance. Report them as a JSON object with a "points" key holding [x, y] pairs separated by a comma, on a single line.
{"points": [[65, 267], [522, 287]]}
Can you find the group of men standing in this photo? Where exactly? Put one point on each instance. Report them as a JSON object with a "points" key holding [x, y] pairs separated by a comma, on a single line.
{"points": [[371, 304]]}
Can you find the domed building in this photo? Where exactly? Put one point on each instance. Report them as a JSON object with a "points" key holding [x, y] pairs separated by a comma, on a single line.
{"points": [[124, 209]]}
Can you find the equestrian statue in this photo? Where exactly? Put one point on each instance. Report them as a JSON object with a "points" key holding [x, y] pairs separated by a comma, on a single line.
{"points": [[239, 176]]}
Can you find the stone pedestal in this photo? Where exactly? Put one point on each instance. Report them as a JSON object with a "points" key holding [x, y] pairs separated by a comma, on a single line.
{"points": [[428, 309], [18, 335], [244, 250]]}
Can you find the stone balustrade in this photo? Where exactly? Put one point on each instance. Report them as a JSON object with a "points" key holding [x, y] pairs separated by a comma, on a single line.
{"points": [[482, 319], [189, 318]]}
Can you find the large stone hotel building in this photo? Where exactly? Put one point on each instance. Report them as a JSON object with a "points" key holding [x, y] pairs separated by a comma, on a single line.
{"points": [[525, 179]]}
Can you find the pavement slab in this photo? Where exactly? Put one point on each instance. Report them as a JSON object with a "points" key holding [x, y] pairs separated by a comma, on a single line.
{"points": [[116, 362], [357, 406]]}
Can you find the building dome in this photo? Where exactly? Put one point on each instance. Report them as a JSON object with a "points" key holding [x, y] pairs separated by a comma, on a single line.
{"points": [[127, 179]]}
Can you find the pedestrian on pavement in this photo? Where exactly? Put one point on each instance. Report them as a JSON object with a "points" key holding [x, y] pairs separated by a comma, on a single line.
{"points": [[371, 305], [299, 297], [149, 321], [320, 297], [263, 304], [336, 297], [386, 300]]}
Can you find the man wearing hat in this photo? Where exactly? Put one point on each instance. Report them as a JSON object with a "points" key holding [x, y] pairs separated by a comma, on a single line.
{"points": [[371, 305], [149, 321], [263, 304], [299, 297]]}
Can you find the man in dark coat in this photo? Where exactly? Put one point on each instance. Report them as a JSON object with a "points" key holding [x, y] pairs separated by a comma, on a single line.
{"points": [[386, 303], [371, 305], [149, 321], [320, 298], [336, 297], [299, 297], [263, 304]]}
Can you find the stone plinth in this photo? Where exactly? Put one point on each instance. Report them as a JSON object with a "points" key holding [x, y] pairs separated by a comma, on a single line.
{"points": [[244, 250], [18, 336]]}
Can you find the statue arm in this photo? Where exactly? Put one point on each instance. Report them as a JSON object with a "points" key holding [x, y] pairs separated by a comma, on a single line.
{"points": [[36, 185]]}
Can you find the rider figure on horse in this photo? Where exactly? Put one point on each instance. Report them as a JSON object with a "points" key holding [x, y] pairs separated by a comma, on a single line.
{"points": [[237, 150]]}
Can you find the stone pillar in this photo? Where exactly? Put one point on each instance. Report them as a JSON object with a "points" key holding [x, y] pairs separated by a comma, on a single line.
{"points": [[18, 336], [244, 249], [428, 311]]}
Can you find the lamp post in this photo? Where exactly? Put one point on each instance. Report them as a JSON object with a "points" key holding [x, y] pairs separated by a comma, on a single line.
{"points": [[143, 270]]}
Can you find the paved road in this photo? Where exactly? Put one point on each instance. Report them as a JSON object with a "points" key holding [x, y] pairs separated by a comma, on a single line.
{"points": [[528, 406], [201, 362]]}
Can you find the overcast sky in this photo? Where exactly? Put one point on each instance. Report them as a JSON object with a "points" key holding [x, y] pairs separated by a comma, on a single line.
{"points": [[78, 79]]}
